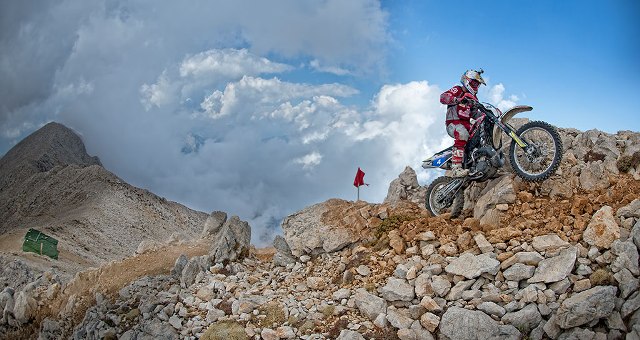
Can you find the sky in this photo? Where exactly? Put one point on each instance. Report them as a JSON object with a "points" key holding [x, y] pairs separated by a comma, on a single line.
{"points": [[261, 108]]}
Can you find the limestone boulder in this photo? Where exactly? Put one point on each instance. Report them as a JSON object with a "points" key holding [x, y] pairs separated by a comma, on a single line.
{"points": [[556, 268], [603, 229], [472, 266], [397, 290], [593, 177], [370, 305], [463, 324], [548, 242], [498, 191], [586, 306], [630, 210], [232, 241], [406, 188], [525, 319], [213, 224], [326, 227], [283, 255]]}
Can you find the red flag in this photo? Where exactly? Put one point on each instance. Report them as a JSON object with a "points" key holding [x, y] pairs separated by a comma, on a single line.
{"points": [[359, 179]]}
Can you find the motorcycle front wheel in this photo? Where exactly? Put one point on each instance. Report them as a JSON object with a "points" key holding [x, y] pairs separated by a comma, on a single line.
{"points": [[541, 158], [436, 207]]}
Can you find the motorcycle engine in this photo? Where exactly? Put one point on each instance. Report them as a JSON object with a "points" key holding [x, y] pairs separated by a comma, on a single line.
{"points": [[483, 169]]}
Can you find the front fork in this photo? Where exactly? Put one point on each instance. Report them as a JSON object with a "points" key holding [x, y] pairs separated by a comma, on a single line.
{"points": [[450, 190]]}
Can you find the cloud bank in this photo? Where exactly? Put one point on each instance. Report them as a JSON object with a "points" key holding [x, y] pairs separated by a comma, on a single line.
{"points": [[217, 104]]}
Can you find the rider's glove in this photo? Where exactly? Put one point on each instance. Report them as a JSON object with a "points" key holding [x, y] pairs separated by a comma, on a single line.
{"points": [[467, 98]]}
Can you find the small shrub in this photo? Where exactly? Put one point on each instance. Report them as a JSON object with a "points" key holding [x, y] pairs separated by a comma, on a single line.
{"points": [[225, 330], [337, 327], [328, 311], [626, 163], [593, 156], [225, 306], [390, 223], [601, 277], [274, 313]]}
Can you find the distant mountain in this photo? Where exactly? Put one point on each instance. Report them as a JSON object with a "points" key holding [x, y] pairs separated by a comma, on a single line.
{"points": [[49, 182]]}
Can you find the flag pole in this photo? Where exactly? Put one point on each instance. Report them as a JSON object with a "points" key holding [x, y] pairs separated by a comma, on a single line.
{"points": [[358, 193]]}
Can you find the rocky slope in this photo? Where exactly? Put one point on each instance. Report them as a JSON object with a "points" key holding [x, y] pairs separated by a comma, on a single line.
{"points": [[50, 183], [556, 260]]}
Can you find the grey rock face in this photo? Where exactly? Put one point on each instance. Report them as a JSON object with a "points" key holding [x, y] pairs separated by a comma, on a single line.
{"points": [[25, 305], [603, 229], [472, 266], [398, 318], [592, 176], [492, 308], [630, 210], [626, 282], [368, 304], [397, 290], [525, 319], [232, 242], [456, 292], [178, 267], [213, 224], [406, 188], [440, 285], [556, 268], [462, 324], [194, 266], [346, 334], [498, 191], [586, 306], [306, 233], [631, 305], [283, 255], [548, 242], [635, 234], [528, 258], [627, 257], [519, 272]]}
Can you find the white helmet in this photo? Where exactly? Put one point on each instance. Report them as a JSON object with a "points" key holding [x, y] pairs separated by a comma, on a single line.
{"points": [[471, 80]]}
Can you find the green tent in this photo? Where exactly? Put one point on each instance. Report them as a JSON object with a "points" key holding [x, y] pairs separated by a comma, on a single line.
{"points": [[40, 243]]}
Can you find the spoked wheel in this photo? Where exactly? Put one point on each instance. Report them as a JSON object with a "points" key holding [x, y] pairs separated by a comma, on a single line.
{"points": [[438, 203], [541, 158]]}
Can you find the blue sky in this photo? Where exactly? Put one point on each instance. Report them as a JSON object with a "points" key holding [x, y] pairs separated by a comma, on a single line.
{"points": [[573, 61], [234, 106]]}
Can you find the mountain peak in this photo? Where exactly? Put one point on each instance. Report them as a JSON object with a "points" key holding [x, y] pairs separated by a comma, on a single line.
{"points": [[52, 145]]}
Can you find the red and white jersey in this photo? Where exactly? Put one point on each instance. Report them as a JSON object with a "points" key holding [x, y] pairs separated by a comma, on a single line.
{"points": [[456, 112]]}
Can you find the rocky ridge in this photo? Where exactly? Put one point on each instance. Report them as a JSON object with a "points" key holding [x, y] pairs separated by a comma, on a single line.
{"points": [[556, 260], [50, 183]]}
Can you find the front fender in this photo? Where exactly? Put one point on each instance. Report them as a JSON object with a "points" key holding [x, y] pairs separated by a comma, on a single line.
{"points": [[506, 117]]}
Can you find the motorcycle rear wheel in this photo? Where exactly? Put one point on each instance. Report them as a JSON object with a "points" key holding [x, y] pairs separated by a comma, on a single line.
{"points": [[545, 155], [437, 209]]}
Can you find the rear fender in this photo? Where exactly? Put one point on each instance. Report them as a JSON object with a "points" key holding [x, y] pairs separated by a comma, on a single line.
{"points": [[506, 117]]}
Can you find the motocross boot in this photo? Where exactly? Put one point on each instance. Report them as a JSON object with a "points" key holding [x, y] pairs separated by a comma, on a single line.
{"points": [[458, 171]]}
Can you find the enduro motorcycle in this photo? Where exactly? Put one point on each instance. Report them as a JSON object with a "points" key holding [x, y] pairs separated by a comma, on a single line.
{"points": [[534, 154]]}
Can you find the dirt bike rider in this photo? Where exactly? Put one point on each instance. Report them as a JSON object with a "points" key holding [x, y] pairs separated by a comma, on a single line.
{"points": [[459, 115]]}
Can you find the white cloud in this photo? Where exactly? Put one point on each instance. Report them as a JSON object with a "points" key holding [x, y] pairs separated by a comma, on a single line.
{"points": [[309, 161], [158, 94], [259, 97], [129, 75], [315, 64], [496, 97], [229, 63]]}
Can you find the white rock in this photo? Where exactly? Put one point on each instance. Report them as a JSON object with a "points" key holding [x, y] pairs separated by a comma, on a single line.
{"points": [[429, 321], [397, 290], [548, 242], [472, 266], [556, 268]]}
